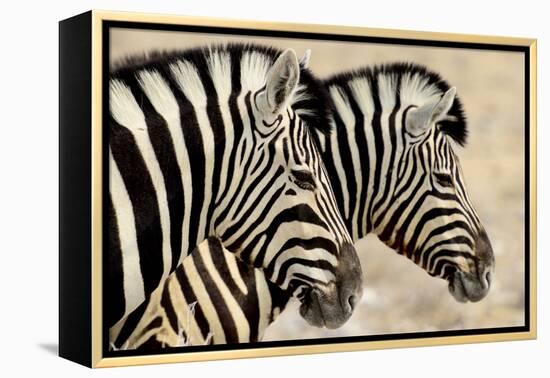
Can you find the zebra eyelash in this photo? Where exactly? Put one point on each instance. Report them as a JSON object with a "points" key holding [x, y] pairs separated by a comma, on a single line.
{"points": [[303, 179]]}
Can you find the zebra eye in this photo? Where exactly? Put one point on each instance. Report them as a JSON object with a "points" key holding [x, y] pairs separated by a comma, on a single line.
{"points": [[444, 179], [304, 179]]}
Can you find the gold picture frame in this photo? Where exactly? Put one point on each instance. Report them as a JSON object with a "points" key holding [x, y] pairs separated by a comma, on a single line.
{"points": [[82, 42]]}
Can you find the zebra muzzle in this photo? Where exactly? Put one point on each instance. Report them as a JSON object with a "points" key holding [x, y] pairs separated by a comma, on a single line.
{"points": [[474, 286], [331, 306]]}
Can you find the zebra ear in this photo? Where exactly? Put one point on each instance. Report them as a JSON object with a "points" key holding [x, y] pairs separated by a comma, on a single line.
{"points": [[422, 118], [282, 80], [304, 62]]}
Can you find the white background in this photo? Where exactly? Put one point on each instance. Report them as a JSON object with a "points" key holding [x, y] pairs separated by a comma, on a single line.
{"points": [[29, 186]]}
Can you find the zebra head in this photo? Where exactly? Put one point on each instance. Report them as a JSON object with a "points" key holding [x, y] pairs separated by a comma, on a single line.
{"points": [[281, 213], [429, 217], [395, 174]]}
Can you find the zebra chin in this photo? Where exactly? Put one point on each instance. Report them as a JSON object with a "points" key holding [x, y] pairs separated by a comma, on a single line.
{"points": [[332, 305]]}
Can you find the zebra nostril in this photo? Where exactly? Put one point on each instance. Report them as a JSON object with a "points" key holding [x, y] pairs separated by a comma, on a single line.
{"points": [[352, 300]]}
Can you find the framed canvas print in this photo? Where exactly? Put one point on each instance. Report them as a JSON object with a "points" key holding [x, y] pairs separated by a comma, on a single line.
{"points": [[234, 189]]}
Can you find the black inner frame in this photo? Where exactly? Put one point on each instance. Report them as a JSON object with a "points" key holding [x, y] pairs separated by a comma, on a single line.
{"points": [[107, 25]]}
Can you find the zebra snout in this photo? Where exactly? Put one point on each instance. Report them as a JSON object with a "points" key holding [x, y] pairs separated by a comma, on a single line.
{"points": [[333, 305], [474, 285]]}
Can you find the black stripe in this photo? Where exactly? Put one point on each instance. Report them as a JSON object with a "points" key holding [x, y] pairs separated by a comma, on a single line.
{"points": [[152, 344], [261, 159], [332, 218], [362, 149], [190, 298], [155, 323], [163, 145], [440, 230], [300, 280], [285, 266], [393, 143], [428, 216], [445, 253], [300, 138], [236, 120], [305, 244], [299, 213], [328, 160], [249, 302], [410, 158], [224, 314], [246, 250], [420, 258], [252, 185], [347, 164], [113, 292], [285, 150], [141, 191], [400, 211], [378, 142], [429, 161], [404, 159], [130, 325], [293, 143], [166, 303], [217, 125], [254, 206], [242, 181]]}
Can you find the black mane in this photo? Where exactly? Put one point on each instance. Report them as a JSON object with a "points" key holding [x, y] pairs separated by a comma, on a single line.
{"points": [[315, 110], [456, 128]]}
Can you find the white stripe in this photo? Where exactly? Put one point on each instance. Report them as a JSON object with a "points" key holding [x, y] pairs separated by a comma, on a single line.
{"points": [[264, 302], [231, 261], [254, 68], [186, 319], [296, 228], [415, 90], [134, 292], [314, 254]]}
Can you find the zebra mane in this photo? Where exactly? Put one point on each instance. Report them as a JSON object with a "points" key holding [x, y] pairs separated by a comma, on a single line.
{"points": [[418, 83], [310, 100]]}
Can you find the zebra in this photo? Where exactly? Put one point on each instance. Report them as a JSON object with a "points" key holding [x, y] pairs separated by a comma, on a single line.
{"points": [[218, 141], [395, 174], [212, 297], [415, 149]]}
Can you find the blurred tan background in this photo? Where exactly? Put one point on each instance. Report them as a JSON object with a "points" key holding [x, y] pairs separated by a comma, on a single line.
{"points": [[400, 297]]}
